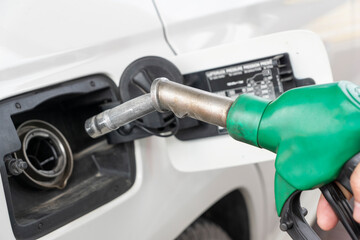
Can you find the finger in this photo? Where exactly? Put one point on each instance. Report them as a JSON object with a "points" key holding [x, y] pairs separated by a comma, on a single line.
{"points": [[326, 217], [355, 186], [346, 193]]}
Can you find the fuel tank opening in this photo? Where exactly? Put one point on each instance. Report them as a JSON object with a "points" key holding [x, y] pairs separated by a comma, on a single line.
{"points": [[47, 154]]}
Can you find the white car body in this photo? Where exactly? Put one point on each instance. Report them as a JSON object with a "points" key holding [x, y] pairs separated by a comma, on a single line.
{"points": [[43, 43]]}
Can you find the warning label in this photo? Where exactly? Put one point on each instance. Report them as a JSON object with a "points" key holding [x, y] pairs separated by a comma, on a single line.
{"points": [[260, 78]]}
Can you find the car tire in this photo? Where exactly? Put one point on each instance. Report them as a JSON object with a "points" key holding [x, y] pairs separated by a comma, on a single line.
{"points": [[203, 229]]}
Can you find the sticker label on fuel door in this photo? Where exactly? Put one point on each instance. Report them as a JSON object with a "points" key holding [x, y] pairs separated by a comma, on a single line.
{"points": [[260, 78]]}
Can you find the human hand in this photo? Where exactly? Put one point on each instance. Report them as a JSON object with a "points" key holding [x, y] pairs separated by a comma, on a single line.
{"points": [[326, 217]]}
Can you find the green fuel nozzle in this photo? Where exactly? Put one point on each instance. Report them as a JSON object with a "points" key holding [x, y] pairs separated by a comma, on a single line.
{"points": [[314, 130]]}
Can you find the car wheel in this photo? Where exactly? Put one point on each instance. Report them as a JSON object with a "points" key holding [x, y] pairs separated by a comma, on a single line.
{"points": [[203, 229]]}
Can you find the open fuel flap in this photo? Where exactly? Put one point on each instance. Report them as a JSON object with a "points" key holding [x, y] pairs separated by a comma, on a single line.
{"points": [[53, 172]]}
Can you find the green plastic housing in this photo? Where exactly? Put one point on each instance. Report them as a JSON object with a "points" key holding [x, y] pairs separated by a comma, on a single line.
{"points": [[314, 130]]}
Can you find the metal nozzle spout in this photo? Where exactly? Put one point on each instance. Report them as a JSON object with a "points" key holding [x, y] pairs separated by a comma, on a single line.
{"points": [[185, 101], [118, 116], [165, 95]]}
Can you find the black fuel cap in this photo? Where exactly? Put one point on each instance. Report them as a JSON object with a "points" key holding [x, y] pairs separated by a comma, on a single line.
{"points": [[136, 80]]}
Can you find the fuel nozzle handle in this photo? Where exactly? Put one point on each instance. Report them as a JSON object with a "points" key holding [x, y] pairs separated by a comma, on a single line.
{"points": [[164, 95]]}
